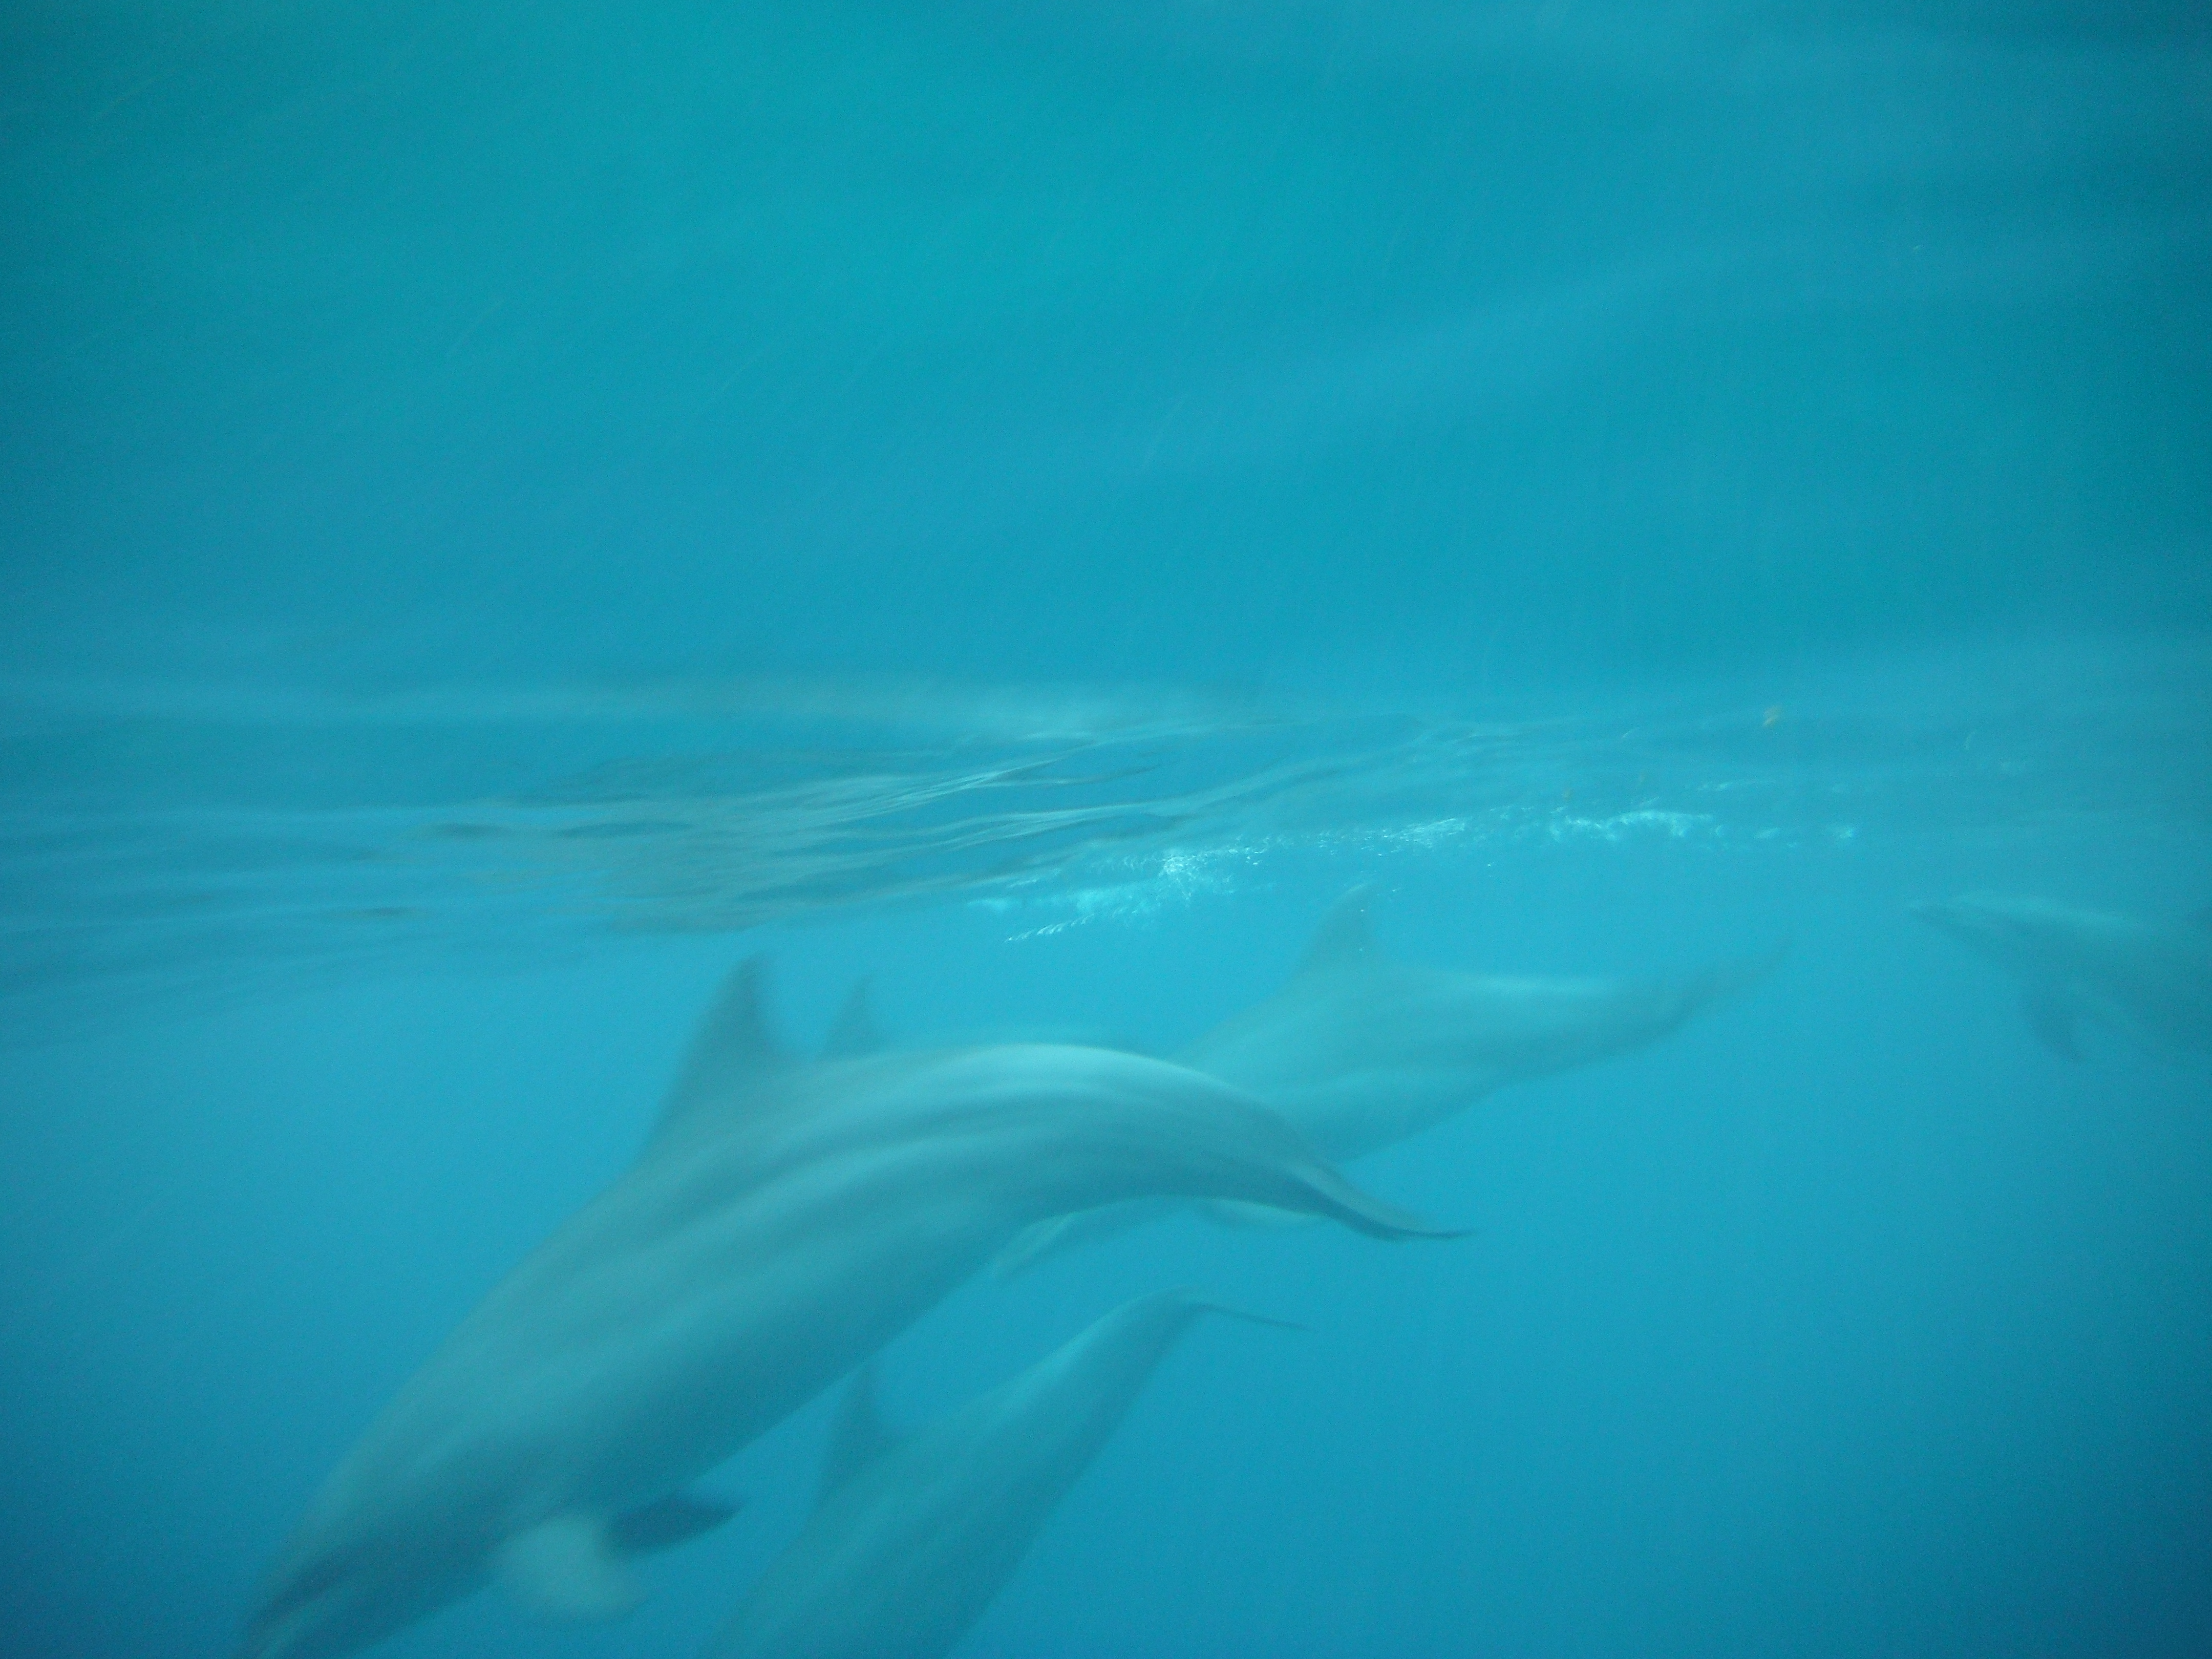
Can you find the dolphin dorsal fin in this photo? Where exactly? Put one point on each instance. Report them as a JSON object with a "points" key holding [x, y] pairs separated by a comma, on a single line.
{"points": [[858, 1437], [852, 1034], [1346, 935], [731, 1051]]}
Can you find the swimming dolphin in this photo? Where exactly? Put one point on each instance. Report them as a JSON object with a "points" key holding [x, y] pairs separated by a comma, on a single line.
{"points": [[2152, 978], [786, 1220], [1360, 1052], [913, 1537]]}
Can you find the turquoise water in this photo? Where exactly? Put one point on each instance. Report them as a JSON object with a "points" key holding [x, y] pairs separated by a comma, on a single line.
{"points": [[510, 510]]}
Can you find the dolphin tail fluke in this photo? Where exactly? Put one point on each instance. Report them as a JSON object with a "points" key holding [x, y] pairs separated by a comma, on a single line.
{"points": [[1328, 1193]]}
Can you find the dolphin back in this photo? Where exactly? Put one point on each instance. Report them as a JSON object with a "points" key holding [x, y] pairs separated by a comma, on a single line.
{"points": [[2151, 979], [688, 1308], [908, 1550], [1122, 1126]]}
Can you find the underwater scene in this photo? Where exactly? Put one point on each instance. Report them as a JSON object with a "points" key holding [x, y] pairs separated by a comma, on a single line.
{"points": [[1197, 827]]}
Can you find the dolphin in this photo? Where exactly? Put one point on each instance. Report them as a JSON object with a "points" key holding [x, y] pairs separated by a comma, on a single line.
{"points": [[785, 1220], [2151, 979], [912, 1538], [1360, 1052]]}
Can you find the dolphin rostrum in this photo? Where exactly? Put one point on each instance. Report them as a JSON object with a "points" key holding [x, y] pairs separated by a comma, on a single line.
{"points": [[1360, 1052], [785, 1220], [2152, 978], [914, 1536]]}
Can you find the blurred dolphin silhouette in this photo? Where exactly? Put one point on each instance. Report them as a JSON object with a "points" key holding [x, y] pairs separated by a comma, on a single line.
{"points": [[786, 1220], [1360, 1052], [914, 1536], [2151, 979]]}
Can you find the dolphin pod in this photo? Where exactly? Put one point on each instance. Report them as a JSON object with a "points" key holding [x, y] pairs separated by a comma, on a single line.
{"points": [[2151, 979], [788, 1217], [912, 1538], [786, 1220], [1359, 1052]]}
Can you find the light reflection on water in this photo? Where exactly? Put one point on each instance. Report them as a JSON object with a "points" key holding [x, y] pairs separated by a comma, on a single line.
{"points": [[177, 840]]}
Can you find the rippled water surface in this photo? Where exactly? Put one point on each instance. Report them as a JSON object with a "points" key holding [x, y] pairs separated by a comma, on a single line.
{"points": [[173, 839]]}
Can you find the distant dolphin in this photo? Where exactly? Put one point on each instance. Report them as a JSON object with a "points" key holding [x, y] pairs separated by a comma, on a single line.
{"points": [[1360, 1052], [2151, 979], [913, 1537], [786, 1220]]}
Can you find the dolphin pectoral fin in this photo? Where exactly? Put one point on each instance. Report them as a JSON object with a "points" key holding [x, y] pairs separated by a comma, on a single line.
{"points": [[1330, 1195], [2051, 1021], [567, 1568], [665, 1523]]}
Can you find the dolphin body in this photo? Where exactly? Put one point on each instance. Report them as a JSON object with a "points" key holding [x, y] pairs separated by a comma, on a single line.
{"points": [[913, 1537], [1360, 1052], [786, 1220], [2151, 979]]}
